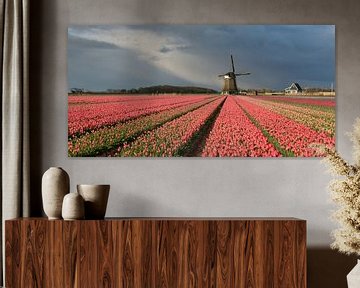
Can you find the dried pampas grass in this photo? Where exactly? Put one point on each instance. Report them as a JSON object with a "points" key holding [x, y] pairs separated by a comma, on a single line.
{"points": [[345, 191]]}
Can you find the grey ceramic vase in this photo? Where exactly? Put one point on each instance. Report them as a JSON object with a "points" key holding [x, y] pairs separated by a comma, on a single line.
{"points": [[353, 278], [73, 207], [55, 185], [96, 198]]}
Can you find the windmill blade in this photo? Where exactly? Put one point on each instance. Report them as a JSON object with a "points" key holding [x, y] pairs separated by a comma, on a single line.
{"points": [[245, 73], [232, 64], [221, 75]]}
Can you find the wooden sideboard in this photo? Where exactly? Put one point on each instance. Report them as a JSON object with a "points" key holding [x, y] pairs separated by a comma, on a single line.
{"points": [[156, 252]]}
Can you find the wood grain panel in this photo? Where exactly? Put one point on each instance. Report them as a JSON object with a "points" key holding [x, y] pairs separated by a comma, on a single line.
{"points": [[55, 269], [88, 254], [70, 247], [132, 253], [301, 254], [12, 252], [248, 251], [104, 248], [162, 247], [289, 270], [33, 254], [209, 254], [268, 253], [127, 261], [224, 256], [96, 254], [235, 252]]}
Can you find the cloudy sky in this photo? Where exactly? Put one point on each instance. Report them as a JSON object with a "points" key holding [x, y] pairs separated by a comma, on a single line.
{"points": [[118, 56]]}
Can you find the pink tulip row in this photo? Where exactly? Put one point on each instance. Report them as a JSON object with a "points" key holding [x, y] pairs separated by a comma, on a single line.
{"points": [[317, 120], [97, 99], [233, 134], [169, 138], [291, 136], [82, 118], [105, 139], [307, 101], [317, 111]]}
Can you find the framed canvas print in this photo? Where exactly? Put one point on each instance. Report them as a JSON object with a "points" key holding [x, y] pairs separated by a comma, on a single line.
{"points": [[200, 90]]}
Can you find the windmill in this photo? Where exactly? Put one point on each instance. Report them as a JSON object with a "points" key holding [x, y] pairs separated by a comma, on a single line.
{"points": [[230, 86]]}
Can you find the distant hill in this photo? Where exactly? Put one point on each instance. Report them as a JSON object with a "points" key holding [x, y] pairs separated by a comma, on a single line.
{"points": [[175, 89], [159, 89]]}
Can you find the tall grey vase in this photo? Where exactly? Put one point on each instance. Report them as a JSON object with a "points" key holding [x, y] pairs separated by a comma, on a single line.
{"points": [[55, 185]]}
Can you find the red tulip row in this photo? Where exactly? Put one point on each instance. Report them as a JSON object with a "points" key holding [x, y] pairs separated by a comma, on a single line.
{"points": [[167, 125], [86, 117], [233, 134], [168, 139], [292, 136], [105, 139], [321, 121]]}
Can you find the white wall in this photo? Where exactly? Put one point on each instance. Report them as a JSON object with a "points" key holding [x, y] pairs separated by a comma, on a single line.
{"points": [[186, 186]]}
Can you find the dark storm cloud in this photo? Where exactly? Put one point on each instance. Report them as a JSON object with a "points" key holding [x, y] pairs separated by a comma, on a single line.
{"points": [[131, 56], [165, 49]]}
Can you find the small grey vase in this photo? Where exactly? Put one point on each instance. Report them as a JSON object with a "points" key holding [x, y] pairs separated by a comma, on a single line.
{"points": [[55, 185], [73, 207], [353, 278]]}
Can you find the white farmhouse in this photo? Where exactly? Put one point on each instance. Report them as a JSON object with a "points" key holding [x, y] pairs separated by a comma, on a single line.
{"points": [[294, 88]]}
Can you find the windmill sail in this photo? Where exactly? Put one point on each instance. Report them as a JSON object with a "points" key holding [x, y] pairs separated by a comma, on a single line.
{"points": [[230, 86], [232, 64]]}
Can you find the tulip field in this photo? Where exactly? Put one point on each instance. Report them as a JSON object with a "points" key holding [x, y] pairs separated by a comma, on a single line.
{"points": [[198, 125]]}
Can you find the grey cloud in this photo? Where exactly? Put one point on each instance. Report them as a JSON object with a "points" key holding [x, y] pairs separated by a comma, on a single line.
{"points": [[82, 43], [165, 49], [275, 54]]}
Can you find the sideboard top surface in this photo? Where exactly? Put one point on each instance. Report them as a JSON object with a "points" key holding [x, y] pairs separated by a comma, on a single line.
{"points": [[175, 219]]}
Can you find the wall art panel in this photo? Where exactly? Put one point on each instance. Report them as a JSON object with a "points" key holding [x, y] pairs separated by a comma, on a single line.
{"points": [[200, 90]]}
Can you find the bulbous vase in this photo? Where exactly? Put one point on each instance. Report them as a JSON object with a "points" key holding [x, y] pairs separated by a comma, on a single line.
{"points": [[55, 185]]}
